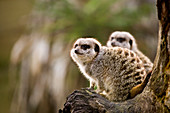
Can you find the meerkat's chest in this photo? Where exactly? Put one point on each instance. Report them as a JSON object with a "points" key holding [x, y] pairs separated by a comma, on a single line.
{"points": [[85, 72]]}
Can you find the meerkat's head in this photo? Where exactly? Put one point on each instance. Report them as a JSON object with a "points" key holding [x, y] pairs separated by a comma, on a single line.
{"points": [[122, 39], [85, 50]]}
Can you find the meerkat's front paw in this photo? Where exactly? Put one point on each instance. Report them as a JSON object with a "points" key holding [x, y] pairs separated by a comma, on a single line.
{"points": [[98, 91], [92, 85]]}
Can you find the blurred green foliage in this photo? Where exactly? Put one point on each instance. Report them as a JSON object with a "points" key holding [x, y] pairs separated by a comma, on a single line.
{"points": [[93, 18]]}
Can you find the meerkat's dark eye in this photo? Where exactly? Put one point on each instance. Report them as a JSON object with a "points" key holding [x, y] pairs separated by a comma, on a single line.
{"points": [[85, 46], [75, 45], [121, 39]]}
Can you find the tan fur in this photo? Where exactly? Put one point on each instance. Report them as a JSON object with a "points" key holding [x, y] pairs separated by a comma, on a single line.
{"points": [[115, 70], [113, 41]]}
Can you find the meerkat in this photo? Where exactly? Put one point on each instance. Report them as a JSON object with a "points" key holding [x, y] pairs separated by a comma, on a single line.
{"points": [[126, 40], [114, 70]]}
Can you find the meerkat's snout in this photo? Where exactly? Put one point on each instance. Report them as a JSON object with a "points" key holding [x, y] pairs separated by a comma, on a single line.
{"points": [[76, 51], [113, 44], [82, 48]]}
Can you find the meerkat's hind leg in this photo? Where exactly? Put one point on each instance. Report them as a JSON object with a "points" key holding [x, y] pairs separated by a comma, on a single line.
{"points": [[140, 87]]}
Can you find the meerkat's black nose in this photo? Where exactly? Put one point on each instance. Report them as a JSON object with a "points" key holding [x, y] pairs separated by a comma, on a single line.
{"points": [[76, 51], [113, 43]]}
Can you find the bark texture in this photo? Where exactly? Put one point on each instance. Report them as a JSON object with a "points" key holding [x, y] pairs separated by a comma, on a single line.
{"points": [[156, 95]]}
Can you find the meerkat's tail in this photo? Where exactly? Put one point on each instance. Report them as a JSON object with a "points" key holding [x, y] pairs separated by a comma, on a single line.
{"points": [[139, 88]]}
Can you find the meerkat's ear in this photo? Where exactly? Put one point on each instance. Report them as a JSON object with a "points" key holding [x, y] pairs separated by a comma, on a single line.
{"points": [[131, 42], [96, 48]]}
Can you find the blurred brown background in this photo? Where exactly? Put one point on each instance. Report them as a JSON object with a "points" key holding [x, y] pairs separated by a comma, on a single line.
{"points": [[43, 32], [12, 25]]}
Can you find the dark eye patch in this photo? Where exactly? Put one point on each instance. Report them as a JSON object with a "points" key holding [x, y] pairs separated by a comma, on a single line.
{"points": [[75, 45], [121, 39], [84, 47]]}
